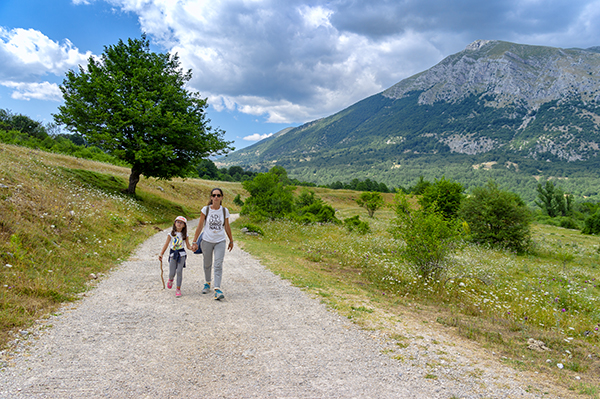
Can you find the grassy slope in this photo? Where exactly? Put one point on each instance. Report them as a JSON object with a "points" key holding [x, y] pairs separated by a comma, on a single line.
{"points": [[56, 209], [63, 219]]}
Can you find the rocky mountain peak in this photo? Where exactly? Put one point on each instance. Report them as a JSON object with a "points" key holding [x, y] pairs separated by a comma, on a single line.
{"points": [[510, 73]]}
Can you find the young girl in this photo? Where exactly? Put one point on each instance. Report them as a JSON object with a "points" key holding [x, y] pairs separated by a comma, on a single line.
{"points": [[215, 222], [175, 240]]}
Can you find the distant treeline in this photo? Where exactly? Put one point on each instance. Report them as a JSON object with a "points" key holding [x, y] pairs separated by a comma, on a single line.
{"points": [[21, 130], [207, 170]]}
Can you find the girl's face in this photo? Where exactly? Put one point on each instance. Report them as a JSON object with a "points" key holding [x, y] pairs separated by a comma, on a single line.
{"points": [[179, 225]]}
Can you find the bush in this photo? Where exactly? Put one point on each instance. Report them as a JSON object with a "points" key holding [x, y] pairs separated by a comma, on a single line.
{"points": [[269, 197], [311, 209], [569, 223], [429, 238], [354, 224], [592, 224], [252, 228], [371, 201], [498, 218], [444, 195], [238, 200]]}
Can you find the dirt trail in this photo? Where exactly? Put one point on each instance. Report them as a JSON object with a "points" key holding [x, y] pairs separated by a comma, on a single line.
{"points": [[129, 338]]}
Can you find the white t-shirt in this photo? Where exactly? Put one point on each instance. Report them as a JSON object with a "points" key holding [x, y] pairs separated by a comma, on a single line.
{"points": [[214, 229], [177, 242]]}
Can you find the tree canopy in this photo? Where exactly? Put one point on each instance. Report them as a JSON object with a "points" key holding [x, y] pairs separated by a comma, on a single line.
{"points": [[133, 104]]}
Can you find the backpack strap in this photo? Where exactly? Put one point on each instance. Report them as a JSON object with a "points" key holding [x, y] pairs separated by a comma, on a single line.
{"points": [[223, 214]]}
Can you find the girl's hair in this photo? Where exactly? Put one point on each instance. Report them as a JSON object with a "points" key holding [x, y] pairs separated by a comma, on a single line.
{"points": [[183, 231], [211, 191]]}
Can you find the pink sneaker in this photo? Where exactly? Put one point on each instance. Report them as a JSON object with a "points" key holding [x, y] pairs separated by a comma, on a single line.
{"points": [[170, 284], [177, 293]]}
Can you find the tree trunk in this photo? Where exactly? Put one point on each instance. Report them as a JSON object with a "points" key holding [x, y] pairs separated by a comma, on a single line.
{"points": [[134, 179]]}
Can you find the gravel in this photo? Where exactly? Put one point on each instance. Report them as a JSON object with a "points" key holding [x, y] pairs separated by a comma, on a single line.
{"points": [[130, 338]]}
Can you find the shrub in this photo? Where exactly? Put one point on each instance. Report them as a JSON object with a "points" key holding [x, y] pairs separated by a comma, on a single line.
{"points": [[429, 238], [371, 201], [238, 200], [311, 209], [592, 224], [496, 217], [569, 223], [444, 195], [354, 224], [269, 197], [252, 228]]}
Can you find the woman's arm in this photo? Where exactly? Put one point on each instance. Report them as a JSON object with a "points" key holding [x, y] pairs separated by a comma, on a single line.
{"points": [[228, 231], [198, 231]]}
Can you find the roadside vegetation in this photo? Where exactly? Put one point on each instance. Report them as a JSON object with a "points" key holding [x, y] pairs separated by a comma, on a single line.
{"points": [[477, 265]]}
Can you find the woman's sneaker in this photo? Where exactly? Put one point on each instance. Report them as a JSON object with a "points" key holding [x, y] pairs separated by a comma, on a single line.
{"points": [[170, 284], [177, 293], [219, 294], [206, 288]]}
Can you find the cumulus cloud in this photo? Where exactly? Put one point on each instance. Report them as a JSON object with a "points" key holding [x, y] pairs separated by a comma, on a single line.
{"points": [[298, 60], [257, 137], [39, 91], [295, 61], [27, 54]]}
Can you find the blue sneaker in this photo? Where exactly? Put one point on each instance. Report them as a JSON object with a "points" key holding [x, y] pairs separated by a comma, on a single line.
{"points": [[219, 294], [206, 288]]}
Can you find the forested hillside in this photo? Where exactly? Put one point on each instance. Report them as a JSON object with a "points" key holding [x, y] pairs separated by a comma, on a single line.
{"points": [[513, 113]]}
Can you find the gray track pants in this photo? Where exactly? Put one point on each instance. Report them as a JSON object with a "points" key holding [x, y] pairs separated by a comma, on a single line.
{"points": [[176, 267], [208, 248]]}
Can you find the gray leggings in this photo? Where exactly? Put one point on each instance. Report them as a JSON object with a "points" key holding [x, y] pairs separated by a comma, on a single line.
{"points": [[176, 267], [207, 253]]}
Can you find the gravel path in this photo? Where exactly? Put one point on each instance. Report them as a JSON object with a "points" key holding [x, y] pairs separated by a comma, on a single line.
{"points": [[129, 338]]}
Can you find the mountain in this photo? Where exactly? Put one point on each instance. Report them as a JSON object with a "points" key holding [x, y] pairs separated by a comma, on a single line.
{"points": [[530, 110]]}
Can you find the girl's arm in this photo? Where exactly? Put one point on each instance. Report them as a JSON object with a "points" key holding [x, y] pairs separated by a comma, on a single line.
{"points": [[228, 231], [164, 248], [187, 242]]}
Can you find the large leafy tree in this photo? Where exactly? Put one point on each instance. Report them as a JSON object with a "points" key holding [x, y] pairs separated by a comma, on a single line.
{"points": [[133, 104]]}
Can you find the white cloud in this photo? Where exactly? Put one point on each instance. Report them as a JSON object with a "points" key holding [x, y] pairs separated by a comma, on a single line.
{"points": [[295, 61], [39, 91], [27, 54], [257, 137]]}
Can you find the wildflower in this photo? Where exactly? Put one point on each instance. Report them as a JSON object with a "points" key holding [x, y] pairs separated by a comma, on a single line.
{"points": [[563, 310]]}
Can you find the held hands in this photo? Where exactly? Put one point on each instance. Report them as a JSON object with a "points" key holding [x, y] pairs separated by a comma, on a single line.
{"points": [[194, 247]]}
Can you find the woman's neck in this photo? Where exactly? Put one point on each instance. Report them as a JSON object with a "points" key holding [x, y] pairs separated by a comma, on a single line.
{"points": [[215, 206]]}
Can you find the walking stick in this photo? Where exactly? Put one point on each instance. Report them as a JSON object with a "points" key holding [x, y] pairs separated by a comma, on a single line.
{"points": [[161, 275]]}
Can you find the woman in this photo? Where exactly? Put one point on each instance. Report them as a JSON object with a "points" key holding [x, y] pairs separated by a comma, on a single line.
{"points": [[214, 220]]}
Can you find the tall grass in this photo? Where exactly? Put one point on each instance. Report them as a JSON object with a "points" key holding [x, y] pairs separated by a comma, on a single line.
{"points": [[495, 297], [63, 219]]}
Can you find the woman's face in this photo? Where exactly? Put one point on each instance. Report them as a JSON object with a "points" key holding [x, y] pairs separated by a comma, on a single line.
{"points": [[216, 195]]}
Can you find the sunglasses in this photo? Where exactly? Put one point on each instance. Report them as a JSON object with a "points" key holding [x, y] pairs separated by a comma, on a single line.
{"points": [[215, 195]]}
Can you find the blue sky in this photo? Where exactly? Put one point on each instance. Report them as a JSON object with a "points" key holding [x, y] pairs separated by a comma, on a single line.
{"points": [[267, 64]]}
